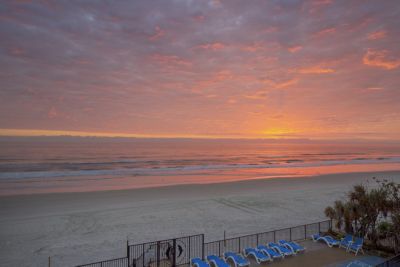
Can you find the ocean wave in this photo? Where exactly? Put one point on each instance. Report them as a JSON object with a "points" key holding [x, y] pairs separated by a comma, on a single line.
{"points": [[164, 167]]}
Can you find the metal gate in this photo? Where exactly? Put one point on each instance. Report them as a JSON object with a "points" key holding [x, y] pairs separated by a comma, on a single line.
{"points": [[166, 253]]}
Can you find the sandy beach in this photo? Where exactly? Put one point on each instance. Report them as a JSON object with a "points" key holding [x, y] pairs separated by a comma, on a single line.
{"points": [[77, 228]]}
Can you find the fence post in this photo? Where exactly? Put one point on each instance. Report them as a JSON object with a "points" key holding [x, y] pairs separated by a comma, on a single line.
{"points": [[319, 227], [219, 248], [290, 233], [127, 249], [144, 256], [224, 241], [189, 247], [202, 250], [239, 245], [257, 239], [174, 252], [274, 236], [158, 254], [49, 261], [305, 231]]}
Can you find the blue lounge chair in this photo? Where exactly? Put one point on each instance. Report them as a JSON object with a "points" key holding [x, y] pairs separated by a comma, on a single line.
{"points": [[197, 262], [257, 255], [237, 259], [315, 237], [356, 246], [269, 251], [280, 249], [330, 241], [346, 242], [293, 246], [216, 261]]}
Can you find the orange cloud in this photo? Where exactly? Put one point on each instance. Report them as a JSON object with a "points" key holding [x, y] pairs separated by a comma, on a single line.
{"points": [[170, 60], [280, 84], [258, 95], [376, 35], [213, 46], [295, 49], [222, 75], [315, 70], [380, 59], [157, 35], [286, 84]]}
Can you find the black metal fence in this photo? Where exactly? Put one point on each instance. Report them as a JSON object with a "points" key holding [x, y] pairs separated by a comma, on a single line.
{"points": [[237, 244], [165, 253], [179, 251], [120, 262]]}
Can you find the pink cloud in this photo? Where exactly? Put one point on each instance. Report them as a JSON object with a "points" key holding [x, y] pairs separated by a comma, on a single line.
{"points": [[285, 84], [376, 35], [223, 75], [375, 88], [259, 95], [52, 113], [170, 60], [270, 30], [232, 101], [212, 46], [199, 18], [253, 47], [281, 84], [317, 5], [379, 58], [315, 70], [16, 51], [326, 31], [295, 49], [157, 35]]}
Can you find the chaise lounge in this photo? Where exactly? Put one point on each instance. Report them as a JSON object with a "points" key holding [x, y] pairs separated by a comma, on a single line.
{"points": [[356, 246], [237, 259], [280, 249], [216, 261], [346, 242], [330, 241], [258, 256], [197, 262], [293, 246], [270, 252]]}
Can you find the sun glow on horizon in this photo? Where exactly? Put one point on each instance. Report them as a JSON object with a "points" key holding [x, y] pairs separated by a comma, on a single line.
{"points": [[269, 134]]}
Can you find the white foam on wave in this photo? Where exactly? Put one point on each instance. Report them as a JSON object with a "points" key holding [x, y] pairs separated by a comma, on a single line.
{"points": [[185, 169]]}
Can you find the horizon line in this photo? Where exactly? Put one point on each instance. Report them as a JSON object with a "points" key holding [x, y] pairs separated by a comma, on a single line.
{"points": [[85, 134]]}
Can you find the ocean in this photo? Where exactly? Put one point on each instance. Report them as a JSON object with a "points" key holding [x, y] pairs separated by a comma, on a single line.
{"points": [[63, 164]]}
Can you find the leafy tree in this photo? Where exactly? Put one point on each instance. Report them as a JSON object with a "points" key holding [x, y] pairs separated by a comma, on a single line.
{"points": [[371, 213]]}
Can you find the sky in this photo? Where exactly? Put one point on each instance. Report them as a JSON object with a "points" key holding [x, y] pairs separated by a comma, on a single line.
{"points": [[183, 68]]}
